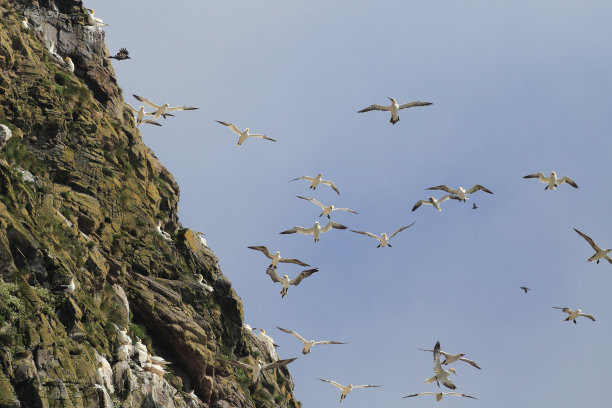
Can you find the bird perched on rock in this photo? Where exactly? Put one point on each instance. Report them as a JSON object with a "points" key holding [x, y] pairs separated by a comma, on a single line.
{"points": [[203, 283], [163, 233], [69, 64], [69, 288], [94, 21], [25, 24], [123, 54]]}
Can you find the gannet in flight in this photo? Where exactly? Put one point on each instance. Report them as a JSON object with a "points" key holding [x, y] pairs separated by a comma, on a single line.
{"points": [[434, 202], [161, 110], [276, 258], [315, 181], [93, 20], [315, 231], [327, 209], [525, 288], [552, 182], [394, 108], [599, 253], [451, 358], [244, 135], [441, 375], [383, 239], [140, 114], [573, 314], [163, 233], [346, 389], [439, 395], [285, 281], [202, 283], [70, 64], [121, 55], [308, 343], [257, 366], [460, 192]]}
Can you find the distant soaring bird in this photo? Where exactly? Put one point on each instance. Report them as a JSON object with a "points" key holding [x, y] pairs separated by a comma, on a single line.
{"points": [[394, 108], [460, 192], [327, 210], [285, 281], [276, 258], [383, 239], [599, 253], [308, 344], [525, 288], [315, 231], [244, 135], [439, 395], [348, 388], [315, 181], [552, 182], [161, 110], [121, 55], [434, 202], [573, 314]]}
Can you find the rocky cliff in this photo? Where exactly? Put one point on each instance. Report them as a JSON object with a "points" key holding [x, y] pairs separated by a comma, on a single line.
{"points": [[80, 199]]}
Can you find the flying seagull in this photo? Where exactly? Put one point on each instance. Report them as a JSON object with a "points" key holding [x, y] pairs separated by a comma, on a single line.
{"points": [[599, 253], [315, 231], [383, 239], [441, 375], [121, 55], [439, 395], [394, 108], [315, 181], [346, 389], [552, 181], [451, 358], [161, 110], [573, 314], [257, 366], [460, 192], [525, 288], [434, 202], [285, 281], [140, 114], [276, 258], [308, 343], [244, 135], [326, 210]]}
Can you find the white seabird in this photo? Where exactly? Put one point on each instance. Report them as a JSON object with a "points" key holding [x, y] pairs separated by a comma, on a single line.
{"points": [[53, 51], [100, 374], [308, 343], [573, 314], [24, 23], [394, 108], [461, 192], [69, 64], [268, 343], [161, 110], [257, 366], [348, 388], [276, 258], [140, 114], [383, 239], [326, 210], [315, 181], [94, 21], [441, 375], [244, 135], [69, 288], [285, 281], [552, 181], [434, 202], [154, 368], [161, 232], [599, 253], [451, 358], [158, 360], [123, 352], [439, 395], [315, 231], [123, 337], [202, 283], [202, 239]]}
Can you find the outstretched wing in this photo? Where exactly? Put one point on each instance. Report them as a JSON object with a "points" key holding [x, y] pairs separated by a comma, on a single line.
{"points": [[400, 230], [331, 225], [150, 122], [420, 393], [588, 316], [567, 180], [445, 188], [420, 203], [328, 342], [312, 200], [293, 261], [589, 240], [231, 126], [539, 176], [271, 271], [413, 104], [459, 394], [133, 109], [292, 332], [477, 187], [299, 230], [331, 184], [332, 383], [304, 178], [146, 101], [262, 249], [448, 197], [375, 107], [278, 363], [369, 234], [565, 309], [180, 108], [473, 364], [237, 364], [304, 274], [263, 137], [346, 209], [365, 386]]}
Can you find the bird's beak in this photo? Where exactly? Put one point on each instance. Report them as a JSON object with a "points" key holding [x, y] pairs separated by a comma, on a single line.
{"points": [[391, 99]]}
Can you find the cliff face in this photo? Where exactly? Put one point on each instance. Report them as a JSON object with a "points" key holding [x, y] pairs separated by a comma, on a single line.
{"points": [[80, 198]]}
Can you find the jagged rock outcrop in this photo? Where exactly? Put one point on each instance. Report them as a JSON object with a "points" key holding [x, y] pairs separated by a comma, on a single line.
{"points": [[80, 198]]}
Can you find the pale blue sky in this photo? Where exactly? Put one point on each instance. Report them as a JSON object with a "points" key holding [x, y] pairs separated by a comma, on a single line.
{"points": [[517, 88]]}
